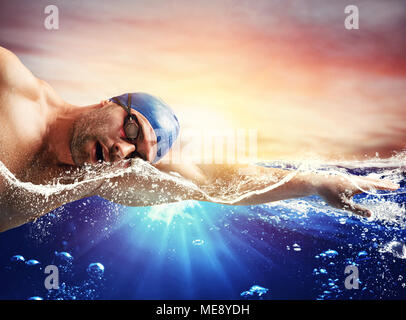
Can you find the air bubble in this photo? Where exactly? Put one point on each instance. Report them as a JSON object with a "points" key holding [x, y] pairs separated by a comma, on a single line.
{"points": [[198, 242], [63, 257], [254, 291], [32, 262], [17, 258], [95, 270]]}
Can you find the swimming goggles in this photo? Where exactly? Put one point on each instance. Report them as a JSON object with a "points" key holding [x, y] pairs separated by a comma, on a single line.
{"points": [[131, 125]]}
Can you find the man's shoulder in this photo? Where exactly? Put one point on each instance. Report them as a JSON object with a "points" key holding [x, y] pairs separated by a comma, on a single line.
{"points": [[6, 54], [13, 73], [8, 61]]}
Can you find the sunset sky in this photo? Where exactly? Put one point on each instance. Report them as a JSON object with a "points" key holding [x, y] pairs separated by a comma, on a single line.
{"points": [[286, 68]]}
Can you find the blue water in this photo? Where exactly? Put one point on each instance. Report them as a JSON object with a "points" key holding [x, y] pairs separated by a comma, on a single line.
{"points": [[294, 249]]}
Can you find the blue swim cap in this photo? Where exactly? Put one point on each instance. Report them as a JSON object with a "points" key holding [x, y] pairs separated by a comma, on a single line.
{"points": [[159, 115]]}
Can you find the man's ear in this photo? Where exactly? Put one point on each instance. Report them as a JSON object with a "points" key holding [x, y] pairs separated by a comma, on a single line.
{"points": [[104, 102]]}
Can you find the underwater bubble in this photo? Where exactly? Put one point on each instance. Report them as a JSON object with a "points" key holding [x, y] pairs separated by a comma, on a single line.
{"points": [[198, 242], [327, 294], [63, 257], [342, 220], [95, 270], [63, 260], [32, 262], [331, 253], [17, 258], [259, 290], [35, 298], [246, 294], [362, 255], [296, 247], [255, 290], [349, 261]]}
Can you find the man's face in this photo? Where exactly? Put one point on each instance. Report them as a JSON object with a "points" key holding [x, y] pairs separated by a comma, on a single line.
{"points": [[99, 136]]}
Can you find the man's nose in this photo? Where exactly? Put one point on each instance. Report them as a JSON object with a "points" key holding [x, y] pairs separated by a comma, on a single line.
{"points": [[123, 149]]}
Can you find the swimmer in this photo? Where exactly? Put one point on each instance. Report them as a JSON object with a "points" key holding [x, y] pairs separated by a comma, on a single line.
{"points": [[42, 138]]}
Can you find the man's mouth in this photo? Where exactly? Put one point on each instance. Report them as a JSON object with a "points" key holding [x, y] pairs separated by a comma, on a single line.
{"points": [[99, 152], [98, 155]]}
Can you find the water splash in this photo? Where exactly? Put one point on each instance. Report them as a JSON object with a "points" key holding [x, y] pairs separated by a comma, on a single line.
{"points": [[396, 248], [226, 193]]}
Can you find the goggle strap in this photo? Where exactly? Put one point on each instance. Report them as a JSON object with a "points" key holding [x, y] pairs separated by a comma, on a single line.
{"points": [[129, 101], [126, 108]]}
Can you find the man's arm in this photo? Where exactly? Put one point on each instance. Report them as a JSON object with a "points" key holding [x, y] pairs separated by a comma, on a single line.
{"points": [[138, 185], [22, 202], [144, 185], [237, 185]]}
